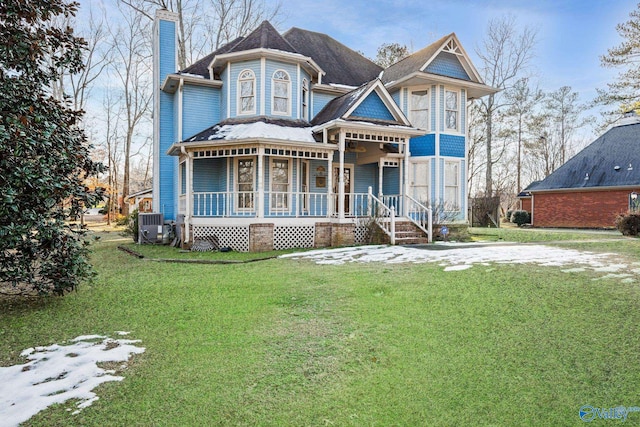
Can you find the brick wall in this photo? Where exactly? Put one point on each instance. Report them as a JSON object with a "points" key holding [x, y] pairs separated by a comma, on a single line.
{"points": [[584, 209], [343, 235], [260, 237], [323, 235], [525, 204]]}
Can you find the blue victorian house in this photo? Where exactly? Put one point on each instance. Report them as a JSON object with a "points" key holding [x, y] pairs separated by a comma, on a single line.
{"points": [[289, 140]]}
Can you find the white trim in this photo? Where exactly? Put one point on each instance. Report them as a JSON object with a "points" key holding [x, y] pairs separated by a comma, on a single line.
{"points": [[236, 183], [263, 85], [290, 57], [304, 105], [410, 92], [180, 113], [229, 90], [239, 81], [386, 98], [273, 93], [458, 107], [298, 91], [272, 160]]}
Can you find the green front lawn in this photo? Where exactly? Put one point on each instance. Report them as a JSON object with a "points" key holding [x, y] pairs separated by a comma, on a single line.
{"points": [[288, 342]]}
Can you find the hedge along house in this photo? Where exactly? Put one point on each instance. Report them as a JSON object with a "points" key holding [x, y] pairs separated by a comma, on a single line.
{"points": [[592, 187], [294, 140]]}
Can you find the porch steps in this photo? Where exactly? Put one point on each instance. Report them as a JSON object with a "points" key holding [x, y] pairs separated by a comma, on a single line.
{"points": [[407, 233]]}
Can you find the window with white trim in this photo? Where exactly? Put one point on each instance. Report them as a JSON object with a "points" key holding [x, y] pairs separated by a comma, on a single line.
{"points": [[245, 179], [246, 92], [419, 109], [452, 185], [420, 178], [305, 99], [279, 184], [451, 110], [281, 90]]}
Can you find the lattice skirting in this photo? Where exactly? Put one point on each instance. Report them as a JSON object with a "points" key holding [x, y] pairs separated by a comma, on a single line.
{"points": [[237, 238], [293, 237], [284, 237]]}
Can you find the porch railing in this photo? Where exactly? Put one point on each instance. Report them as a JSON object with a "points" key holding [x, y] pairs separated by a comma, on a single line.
{"points": [[243, 204], [383, 215], [421, 216]]}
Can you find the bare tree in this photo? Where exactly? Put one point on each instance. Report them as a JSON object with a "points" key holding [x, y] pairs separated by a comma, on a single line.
{"points": [[132, 55], [505, 54], [205, 25], [390, 53]]}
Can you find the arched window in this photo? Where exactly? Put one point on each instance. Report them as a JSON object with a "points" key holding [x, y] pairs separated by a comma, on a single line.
{"points": [[305, 100], [281, 90], [246, 92]]}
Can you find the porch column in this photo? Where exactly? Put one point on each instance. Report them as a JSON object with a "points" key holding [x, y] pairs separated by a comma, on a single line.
{"points": [[330, 198], [341, 177], [380, 176], [405, 172], [259, 204], [188, 202]]}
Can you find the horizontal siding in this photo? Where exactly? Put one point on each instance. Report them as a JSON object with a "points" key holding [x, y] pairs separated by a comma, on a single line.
{"points": [[319, 101], [201, 109]]}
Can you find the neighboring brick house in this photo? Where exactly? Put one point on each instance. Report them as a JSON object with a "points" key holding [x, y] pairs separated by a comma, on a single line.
{"points": [[295, 140], [594, 186]]}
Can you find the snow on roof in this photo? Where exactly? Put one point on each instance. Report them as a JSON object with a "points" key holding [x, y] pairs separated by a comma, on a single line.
{"points": [[57, 373], [259, 130]]}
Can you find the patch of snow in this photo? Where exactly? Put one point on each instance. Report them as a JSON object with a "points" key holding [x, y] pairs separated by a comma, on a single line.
{"points": [[57, 373], [456, 257], [263, 130]]}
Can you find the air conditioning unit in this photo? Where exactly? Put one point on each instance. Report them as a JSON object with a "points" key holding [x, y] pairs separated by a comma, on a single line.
{"points": [[150, 227]]}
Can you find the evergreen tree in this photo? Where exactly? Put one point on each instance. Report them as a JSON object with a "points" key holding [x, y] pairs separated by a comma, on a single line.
{"points": [[624, 94], [44, 155]]}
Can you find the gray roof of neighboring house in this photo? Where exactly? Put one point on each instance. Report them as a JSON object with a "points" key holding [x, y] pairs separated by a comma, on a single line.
{"points": [[341, 64], [412, 63], [612, 160]]}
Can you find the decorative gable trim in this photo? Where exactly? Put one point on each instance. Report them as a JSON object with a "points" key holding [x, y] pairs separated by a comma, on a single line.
{"points": [[452, 46], [386, 99]]}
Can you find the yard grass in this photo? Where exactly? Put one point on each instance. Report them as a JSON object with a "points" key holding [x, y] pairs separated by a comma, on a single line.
{"points": [[289, 342]]}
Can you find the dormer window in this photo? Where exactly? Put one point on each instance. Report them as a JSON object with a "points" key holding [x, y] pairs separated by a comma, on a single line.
{"points": [[247, 91], [305, 99], [281, 90]]}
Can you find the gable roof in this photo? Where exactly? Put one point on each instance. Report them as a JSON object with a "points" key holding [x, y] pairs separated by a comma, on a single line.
{"points": [[612, 160], [341, 64], [344, 107], [443, 61], [412, 63]]}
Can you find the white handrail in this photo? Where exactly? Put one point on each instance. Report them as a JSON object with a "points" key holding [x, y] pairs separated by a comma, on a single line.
{"points": [[420, 215], [379, 212]]}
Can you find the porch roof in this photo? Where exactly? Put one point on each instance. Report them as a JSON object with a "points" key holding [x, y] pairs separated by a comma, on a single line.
{"points": [[255, 129]]}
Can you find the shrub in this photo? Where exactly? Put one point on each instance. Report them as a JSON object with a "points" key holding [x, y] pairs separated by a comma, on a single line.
{"points": [[520, 218], [628, 224], [131, 223], [507, 216]]}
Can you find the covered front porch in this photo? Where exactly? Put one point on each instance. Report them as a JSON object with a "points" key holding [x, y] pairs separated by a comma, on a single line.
{"points": [[302, 194]]}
